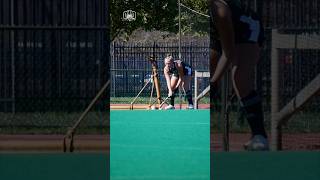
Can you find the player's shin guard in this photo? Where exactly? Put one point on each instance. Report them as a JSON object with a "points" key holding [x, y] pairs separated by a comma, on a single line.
{"points": [[188, 97], [173, 96], [252, 106]]}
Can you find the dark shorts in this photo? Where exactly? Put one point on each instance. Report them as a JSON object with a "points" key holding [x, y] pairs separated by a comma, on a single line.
{"points": [[248, 28], [187, 71]]}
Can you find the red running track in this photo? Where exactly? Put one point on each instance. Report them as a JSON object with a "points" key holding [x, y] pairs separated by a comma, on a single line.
{"points": [[292, 142]]}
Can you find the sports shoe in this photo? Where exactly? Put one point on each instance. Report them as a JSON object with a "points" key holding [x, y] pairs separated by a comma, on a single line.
{"points": [[190, 106], [169, 107], [257, 143]]}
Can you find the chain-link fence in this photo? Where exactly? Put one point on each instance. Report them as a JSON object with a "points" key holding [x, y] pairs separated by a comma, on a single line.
{"points": [[53, 61], [131, 69]]}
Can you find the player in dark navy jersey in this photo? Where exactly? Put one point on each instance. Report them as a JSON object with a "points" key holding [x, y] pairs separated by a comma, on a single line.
{"points": [[236, 35], [178, 73]]}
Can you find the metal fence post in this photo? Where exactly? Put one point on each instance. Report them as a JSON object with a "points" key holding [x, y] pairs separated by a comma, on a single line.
{"points": [[274, 93], [13, 101]]}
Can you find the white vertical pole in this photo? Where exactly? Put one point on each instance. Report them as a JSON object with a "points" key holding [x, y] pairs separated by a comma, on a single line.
{"points": [[180, 96], [196, 90]]}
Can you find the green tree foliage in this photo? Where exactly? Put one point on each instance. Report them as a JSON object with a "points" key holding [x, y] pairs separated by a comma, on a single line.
{"points": [[154, 15], [193, 23]]}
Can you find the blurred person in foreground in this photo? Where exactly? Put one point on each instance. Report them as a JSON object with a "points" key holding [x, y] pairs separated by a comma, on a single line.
{"points": [[236, 36]]}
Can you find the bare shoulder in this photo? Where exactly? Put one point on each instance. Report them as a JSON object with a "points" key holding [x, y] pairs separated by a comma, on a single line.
{"points": [[221, 9], [219, 3]]}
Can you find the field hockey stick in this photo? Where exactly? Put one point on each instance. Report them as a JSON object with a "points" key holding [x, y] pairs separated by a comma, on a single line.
{"points": [[181, 95], [164, 101], [180, 98], [71, 132], [227, 120]]}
